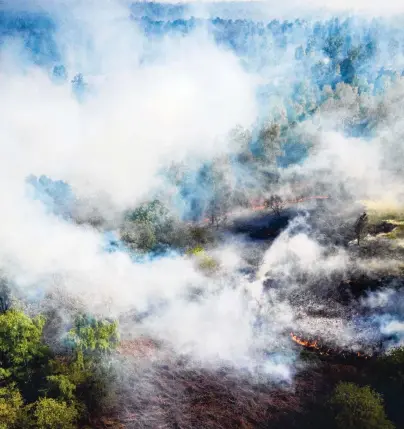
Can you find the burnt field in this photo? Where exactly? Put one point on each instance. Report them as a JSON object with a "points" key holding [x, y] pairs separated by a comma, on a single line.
{"points": [[187, 397]]}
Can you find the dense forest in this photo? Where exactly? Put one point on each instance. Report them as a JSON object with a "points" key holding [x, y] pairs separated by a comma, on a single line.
{"points": [[202, 219]]}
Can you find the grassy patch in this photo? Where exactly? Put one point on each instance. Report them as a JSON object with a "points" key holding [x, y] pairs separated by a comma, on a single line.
{"points": [[204, 261], [379, 211], [398, 232], [396, 217], [208, 264]]}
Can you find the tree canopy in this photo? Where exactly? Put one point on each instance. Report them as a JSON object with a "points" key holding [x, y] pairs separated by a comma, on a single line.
{"points": [[358, 407]]}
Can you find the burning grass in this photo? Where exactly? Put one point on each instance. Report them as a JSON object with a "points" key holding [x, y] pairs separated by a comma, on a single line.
{"points": [[316, 345], [174, 393]]}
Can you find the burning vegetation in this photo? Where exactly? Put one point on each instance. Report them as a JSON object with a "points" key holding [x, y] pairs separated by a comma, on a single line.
{"points": [[66, 366], [317, 346]]}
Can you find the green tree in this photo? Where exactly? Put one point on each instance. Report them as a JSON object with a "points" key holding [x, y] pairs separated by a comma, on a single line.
{"points": [[146, 237], [90, 340], [151, 212], [5, 296], [333, 46], [199, 236], [205, 262], [388, 377], [92, 335], [11, 403], [241, 139], [269, 139], [75, 385], [62, 386], [147, 226], [22, 352], [53, 414], [356, 407]]}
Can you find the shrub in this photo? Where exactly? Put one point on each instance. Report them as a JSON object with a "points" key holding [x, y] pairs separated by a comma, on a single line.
{"points": [[10, 404], [356, 407], [53, 414]]}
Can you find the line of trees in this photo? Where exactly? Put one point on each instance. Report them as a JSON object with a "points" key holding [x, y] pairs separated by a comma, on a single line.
{"points": [[43, 390]]}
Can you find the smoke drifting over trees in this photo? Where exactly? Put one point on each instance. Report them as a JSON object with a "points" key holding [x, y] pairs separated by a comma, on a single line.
{"points": [[183, 238]]}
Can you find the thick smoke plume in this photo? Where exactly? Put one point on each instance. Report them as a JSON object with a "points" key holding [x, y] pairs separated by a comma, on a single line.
{"points": [[116, 117]]}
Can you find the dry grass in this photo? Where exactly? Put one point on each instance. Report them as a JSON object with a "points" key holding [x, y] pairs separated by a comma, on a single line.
{"points": [[384, 210], [168, 392]]}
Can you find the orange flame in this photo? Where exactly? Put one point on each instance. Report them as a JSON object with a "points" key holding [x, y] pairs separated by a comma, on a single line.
{"points": [[315, 345], [305, 343]]}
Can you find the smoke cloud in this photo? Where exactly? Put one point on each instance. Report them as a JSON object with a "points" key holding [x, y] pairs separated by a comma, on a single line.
{"points": [[139, 108]]}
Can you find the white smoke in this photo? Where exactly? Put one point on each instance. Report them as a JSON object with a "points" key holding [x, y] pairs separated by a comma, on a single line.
{"points": [[150, 105], [138, 118]]}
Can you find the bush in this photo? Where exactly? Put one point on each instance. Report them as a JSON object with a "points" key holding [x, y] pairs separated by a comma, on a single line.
{"points": [[20, 340], [10, 404], [89, 335], [62, 386], [205, 262], [388, 378], [147, 227], [23, 355], [58, 390], [52, 414], [356, 407]]}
